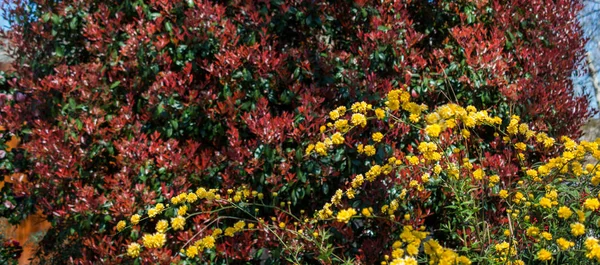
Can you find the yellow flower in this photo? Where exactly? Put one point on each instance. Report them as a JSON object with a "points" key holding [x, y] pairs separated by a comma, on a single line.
{"points": [[342, 125], [564, 212], [178, 223], [121, 225], [345, 215], [564, 244], [230, 231], [413, 160], [501, 247], [478, 174], [581, 216], [350, 193], [337, 138], [591, 204], [366, 212], [412, 249], [433, 130], [544, 255], [153, 212], [547, 235], [334, 114], [503, 194], [577, 229], [135, 219], [518, 197], [309, 149], [377, 137], [369, 150], [532, 231], [521, 146], [320, 148], [545, 202], [192, 251], [358, 119], [133, 250], [282, 225], [361, 107], [209, 241], [162, 226], [182, 210], [239, 225], [380, 113], [156, 240]]}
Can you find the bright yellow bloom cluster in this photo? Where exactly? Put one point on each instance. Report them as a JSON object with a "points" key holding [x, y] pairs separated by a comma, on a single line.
{"points": [[544, 255], [592, 249], [178, 223], [591, 204], [156, 210], [121, 225], [135, 219], [577, 229], [156, 240], [564, 212], [238, 226], [162, 226], [564, 244], [440, 255], [344, 216], [133, 250]]}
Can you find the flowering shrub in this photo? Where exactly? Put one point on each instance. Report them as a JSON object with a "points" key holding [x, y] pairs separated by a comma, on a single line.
{"points": [[120, 105], [423, 198]]}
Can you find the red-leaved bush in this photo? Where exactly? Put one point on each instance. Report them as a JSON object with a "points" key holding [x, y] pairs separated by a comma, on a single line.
{"points": [[123, 104]]}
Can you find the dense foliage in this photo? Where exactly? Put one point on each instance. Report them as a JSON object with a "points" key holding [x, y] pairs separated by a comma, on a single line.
{"points": [[120, 105]]}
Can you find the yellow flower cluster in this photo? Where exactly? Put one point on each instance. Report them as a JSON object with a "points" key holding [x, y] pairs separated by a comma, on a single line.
{"points": [[439, 255], [157, 209], [162, 226], [592, 249], [178, 223], [564, 244], [199, 246], [344, 216], [121, 225], [237, 227], [544, 255], [133, 250], [156, 240]]}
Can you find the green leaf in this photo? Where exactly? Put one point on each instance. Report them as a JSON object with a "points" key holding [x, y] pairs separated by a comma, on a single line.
{"points": [[115, 84]]}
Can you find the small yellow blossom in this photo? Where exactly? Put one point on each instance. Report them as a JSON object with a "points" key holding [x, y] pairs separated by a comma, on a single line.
{"points": [[503, 194], [369, 150], [337, 138], [162, 226], [345, 215], [591, 204], [358, 119], [178, 223], [380, 113], [192, 251], [135, 219], [564, 244], [377, 137], [433, 130], [564, 212], [133, 250], [577, 229], [156, 240], [544, 255], [121, 225], [478, 174]]}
